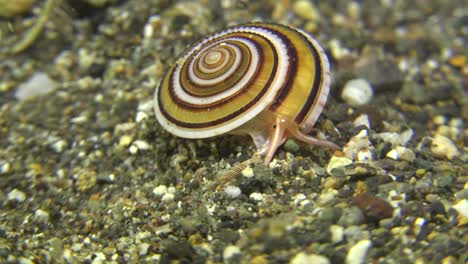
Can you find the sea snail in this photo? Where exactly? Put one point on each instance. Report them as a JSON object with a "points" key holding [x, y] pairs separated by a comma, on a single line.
{"points": [[267, 80]]}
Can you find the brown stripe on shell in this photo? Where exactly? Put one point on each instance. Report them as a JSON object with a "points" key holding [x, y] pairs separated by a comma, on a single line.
{"points": [[287, 87], [225, 118], [316, 86], [238, 74]]}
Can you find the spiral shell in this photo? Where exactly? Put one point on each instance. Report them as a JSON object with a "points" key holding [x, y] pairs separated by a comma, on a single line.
{"points": [[267, 80]]}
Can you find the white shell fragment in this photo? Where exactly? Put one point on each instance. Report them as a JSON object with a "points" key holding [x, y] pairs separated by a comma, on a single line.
{"points": [[38, 84], [357, 92]]}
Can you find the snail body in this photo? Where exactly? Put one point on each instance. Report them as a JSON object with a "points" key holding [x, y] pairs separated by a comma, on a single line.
{"points": [[267, 80]]}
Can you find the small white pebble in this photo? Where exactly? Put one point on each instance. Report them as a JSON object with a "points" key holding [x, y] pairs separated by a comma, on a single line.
{"points": [[41, 216], [337, 50], [462, 207], [406, 136], [303, 258], [140, 116], [143, 249], [248, 172], [326, 198], [440, 120], [160, 190], [17, 195], [418, 224], [232, 191], [298, 198], [168, 197], [38, 84], [141, 144], [23, 260], [337, 233], [133, 150], [393, 154], [357, 92], [364, 154], [443, 147], [356, 144], [59, 145], [5, 167], [456, 122], [357, 253], [98, 258], [143, 235], [362, 120], [125, 140], [256, 196], [79, 119], [230, 252]]}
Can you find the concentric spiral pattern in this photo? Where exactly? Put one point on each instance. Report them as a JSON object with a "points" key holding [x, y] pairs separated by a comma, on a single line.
{"points": [[229, 78]]}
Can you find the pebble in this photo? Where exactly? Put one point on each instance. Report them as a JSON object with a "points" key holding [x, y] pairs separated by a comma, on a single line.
{"points": [[168, 197], [41, 216], [401, 153], [351, 216], [305, 9], [357, 144], [85, 179], [462, 207], [362, 120], [326, 198], [372, 206], [256, 196], [232, 191], [5, 167], [59, 145], [414, 92], [143, 249], [357, 92], [337, 49], [443, 147], [160, 190], [141, 144], [38, 84], [357, 253], [303, 258], [337, 162], [17, 195], [418, 225], [248, 172], [337, 233], [125, 140], [230, 251], [397, 139], [354, 234]]}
